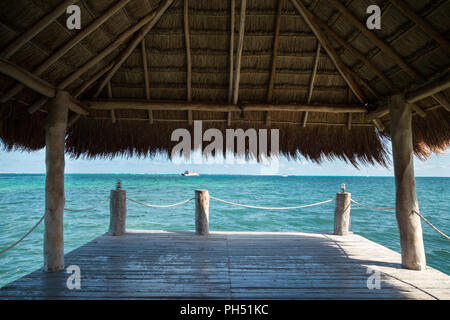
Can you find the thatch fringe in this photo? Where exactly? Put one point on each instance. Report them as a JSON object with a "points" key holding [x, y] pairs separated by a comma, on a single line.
{"points": [[361, 145]]}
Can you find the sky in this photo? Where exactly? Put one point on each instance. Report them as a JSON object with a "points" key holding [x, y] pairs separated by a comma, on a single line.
{"points": [[34, 162]]}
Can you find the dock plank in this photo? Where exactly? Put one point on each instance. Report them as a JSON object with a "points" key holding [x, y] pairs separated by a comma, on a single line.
{"points": [[232, 265]]}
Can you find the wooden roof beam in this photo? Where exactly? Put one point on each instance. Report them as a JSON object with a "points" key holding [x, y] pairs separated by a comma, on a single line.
{"points": [[342, 68], [134, 43], [36, 84], [34, 30], [53, 58], [275, 52], [201, 106], [357, 54], [108, 49], [432, 88], [231, 77], [422, 23], [146, 77], [311, 83], [110, 95], [274, 57], [240, 47], [348, 16], [188, 58]]}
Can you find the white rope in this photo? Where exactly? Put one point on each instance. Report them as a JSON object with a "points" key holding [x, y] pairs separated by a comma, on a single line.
{"points": [[87, 209], [371, 208], [26, 235], [422, 217], [160, 206], [271, 208], [429, 223]]}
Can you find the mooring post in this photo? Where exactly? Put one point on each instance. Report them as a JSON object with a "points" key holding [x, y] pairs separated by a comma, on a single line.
{"points": [[202, 212], [55, 132], [342, 212], [118, 211]]}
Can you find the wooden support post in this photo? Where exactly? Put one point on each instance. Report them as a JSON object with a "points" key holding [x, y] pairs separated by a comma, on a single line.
{"points": [[240, 47], [201, 212], [410, 228], [118, 211], [55, 131], [342, 212]]}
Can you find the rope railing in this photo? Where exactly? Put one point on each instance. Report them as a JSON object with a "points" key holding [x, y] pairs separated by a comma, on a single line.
{"points": [[271, 208], [429, 223], [393, 209], [88, 209], [160, 206], [23, 238], [371, 208]]}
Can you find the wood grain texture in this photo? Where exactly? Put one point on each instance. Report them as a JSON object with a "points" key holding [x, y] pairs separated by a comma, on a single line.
{"points": [[232, 265]]}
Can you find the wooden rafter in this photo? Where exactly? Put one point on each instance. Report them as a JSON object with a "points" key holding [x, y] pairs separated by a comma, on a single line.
{"points": [[34, 30], [275, 52], [108, 49], [134, 43], [349, 116], [201, 106], [348, 16], [36, 84], [110, 96], [311, 82], [88, 83], [422, 23], [146, 77], [432, 88], [53, 58], [357, 54], [342, 68], [188, 58], [237, 73], [230, 87], [274, 57]]}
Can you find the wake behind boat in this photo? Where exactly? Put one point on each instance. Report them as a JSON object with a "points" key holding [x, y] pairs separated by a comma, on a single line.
{"points": [[188, 173]]}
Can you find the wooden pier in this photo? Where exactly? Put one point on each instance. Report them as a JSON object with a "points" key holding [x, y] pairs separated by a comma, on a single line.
{"points": [[233, 265]]}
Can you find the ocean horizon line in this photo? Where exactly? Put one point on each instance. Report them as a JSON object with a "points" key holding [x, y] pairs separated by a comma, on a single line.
{"points": [[218, 174]]}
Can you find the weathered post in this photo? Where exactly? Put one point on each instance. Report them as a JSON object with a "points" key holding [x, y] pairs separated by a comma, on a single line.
{"points": [[342, 212], [118, 211], [409, 226], [55, 132], [202, 212]]}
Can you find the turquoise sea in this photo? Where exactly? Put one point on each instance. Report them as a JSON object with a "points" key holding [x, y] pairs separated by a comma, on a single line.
{"points": [[22, 205]]}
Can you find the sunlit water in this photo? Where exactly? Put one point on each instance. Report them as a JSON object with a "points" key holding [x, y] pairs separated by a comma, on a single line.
{"points": [[22, 204]]}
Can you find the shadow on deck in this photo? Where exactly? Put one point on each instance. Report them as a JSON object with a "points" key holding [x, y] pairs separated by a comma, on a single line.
{"points": [[233, 265]]}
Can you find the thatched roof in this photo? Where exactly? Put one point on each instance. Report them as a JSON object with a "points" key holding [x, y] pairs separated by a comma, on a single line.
{"points": [[304, 73]]}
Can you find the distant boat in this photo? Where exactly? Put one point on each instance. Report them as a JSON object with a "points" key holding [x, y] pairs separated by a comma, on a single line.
{"points": [[284, 175], [188, 173]]}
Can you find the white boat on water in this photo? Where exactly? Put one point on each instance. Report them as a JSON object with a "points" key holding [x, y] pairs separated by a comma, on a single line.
{"points": [[188, 173]]}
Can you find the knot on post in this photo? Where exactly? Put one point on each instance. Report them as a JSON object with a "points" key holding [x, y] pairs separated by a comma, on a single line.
{"points": [[342, 212]]}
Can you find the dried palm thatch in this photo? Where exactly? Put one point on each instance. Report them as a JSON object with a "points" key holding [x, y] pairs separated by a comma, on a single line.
{"points": [[157, 51]]}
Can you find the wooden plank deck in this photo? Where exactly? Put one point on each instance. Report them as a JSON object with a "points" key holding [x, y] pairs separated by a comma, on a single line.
{"points": [[232, 265]]}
